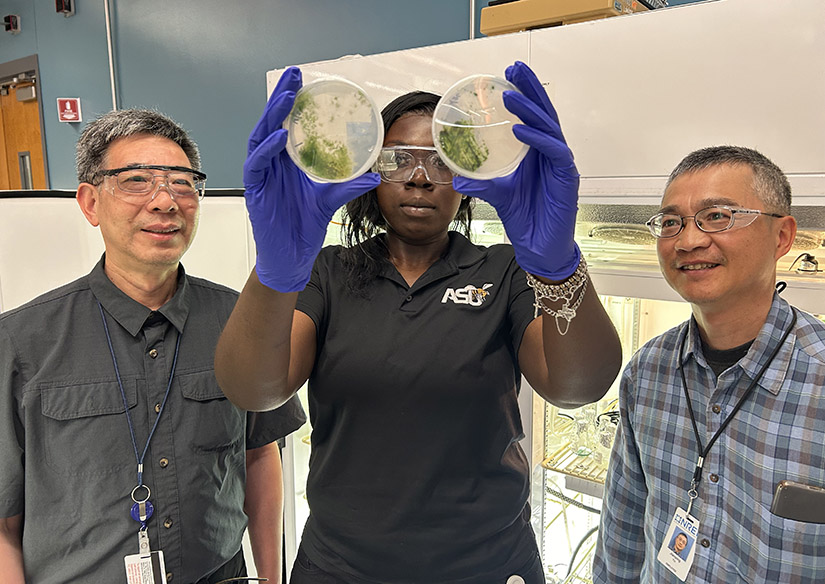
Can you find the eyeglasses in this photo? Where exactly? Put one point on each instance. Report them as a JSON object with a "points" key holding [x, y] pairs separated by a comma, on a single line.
{"points": [[709, 220], [135, 182], [399, 164]]}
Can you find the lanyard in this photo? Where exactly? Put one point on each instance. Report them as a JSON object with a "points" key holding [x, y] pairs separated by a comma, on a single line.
{"points": [[703, 452], [139, 457]]}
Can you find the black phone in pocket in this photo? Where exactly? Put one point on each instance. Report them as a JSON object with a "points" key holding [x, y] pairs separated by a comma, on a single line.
{"points": [[799, 502]]}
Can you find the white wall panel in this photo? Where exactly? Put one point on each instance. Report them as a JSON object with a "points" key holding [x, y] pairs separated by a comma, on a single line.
{"points": [[223, 245], [385, 76], [636, 93], [44, 243], [47, 242]]}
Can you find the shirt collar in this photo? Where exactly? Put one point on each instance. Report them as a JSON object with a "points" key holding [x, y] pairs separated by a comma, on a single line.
{"points": [[461, 253], [779, 319], [132, 315]]}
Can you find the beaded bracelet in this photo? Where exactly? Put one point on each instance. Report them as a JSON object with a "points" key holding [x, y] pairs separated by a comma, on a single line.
{"points": [[564, 291]]}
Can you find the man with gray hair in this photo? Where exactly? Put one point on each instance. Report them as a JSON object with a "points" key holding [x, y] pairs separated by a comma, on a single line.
{"points": [[720, 411], [120, 458]]}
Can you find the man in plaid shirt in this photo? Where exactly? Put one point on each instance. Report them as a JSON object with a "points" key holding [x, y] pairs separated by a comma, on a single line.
{"points": [[717, 411]]}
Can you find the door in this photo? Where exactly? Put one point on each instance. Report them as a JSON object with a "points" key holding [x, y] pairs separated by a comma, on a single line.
{"points": [[22, 165]]}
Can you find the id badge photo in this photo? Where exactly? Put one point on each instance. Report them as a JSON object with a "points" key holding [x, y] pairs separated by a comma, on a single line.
{"points": [[679, 545]]}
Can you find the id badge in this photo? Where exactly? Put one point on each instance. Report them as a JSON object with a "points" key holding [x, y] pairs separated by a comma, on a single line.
{"points": [[146, 567], [677, 550], [149, 569]]}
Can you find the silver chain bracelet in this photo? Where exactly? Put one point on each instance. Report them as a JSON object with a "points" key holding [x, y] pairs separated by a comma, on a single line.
{"points": [[564, 291]]}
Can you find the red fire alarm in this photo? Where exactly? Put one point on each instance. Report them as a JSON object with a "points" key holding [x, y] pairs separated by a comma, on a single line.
{"points": [[11, 22], [68, 109], [64, 7]]}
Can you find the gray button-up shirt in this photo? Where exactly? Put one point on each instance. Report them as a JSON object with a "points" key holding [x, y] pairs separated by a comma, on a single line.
{"points": [[67, 461]]}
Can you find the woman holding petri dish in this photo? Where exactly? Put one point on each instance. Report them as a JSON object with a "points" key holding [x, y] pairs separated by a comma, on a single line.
{"points": [[414, 341]]}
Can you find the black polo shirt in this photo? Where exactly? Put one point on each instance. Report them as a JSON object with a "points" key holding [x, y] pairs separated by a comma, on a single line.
{"points": [[66, 458], [416, 474]]}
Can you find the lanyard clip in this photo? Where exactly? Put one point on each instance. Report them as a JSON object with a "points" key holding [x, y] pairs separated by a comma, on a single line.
{"points": [[697, 474], [697, 478]]}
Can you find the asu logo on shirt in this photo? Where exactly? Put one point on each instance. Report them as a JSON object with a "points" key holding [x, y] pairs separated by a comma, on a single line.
{"points": [[470, 294]]}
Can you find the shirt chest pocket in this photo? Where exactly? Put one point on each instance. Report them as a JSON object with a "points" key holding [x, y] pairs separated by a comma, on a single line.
{"points": [[797, 455], [85, 430], [218, 425], [794, 453]]}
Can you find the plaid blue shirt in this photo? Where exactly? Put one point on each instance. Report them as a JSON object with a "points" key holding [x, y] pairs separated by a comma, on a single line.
{"points": [[778, 434]]}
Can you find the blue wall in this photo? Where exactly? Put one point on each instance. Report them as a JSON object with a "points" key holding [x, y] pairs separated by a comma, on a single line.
{"points": [[73, 63], [204, 62]]}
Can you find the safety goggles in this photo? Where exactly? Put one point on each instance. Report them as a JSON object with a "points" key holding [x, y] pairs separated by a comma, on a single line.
{"points": [[134, 183], [400, 163]]}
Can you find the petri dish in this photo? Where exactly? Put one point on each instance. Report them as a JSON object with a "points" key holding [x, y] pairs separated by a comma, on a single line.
{"points": [[335, 132], [472, 130]]}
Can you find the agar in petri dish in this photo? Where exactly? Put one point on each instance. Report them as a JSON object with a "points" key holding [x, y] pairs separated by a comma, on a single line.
{"points": [[472, 130], [335, 132]]}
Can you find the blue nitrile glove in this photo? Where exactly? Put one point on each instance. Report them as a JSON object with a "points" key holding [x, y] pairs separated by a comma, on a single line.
{"points": [[537, 202], [289, 212]]}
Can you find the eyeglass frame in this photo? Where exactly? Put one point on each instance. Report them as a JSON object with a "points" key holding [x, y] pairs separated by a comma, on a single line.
{"points": [[199, 177], [733, 212], [419, 164]]}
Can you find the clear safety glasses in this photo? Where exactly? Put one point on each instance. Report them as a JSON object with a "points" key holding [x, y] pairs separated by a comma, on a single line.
{"points": [[400, 163], [134, 183], [709, 220]]}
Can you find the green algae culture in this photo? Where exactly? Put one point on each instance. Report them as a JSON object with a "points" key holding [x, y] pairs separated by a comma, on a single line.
{"points": [[304, 108], [460, 144], [334, 130], [473, 130], [325, 158]]}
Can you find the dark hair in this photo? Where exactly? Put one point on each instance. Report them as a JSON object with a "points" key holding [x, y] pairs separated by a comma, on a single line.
{"points": [[99, 134], [769, 182], [363, 253]]}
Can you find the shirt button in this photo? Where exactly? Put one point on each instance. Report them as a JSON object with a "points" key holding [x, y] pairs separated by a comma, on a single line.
{"points": [[705, 543], [153, 353], [408, 299], [716, 409], [169, 576], [164, 462], [157, 408], [167, 523], [714, 478]]}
